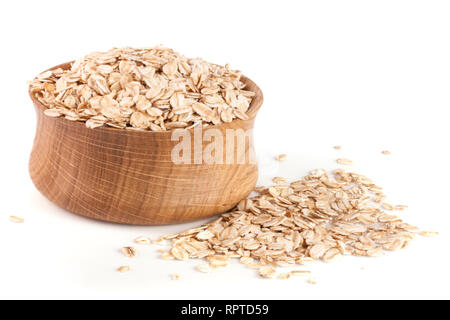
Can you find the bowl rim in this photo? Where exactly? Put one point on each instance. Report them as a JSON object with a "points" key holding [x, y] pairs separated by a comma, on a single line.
{"points": [[254, 107]]}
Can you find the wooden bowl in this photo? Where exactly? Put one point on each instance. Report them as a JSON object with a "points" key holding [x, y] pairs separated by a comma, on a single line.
{"points": [[128, 177]]}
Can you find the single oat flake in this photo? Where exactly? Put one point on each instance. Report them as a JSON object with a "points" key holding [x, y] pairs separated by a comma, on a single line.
{"points": [[143, 240], [320, 217], [203, 268], [267, 272], [281, 157], [148, 89], [279, 180], [285, 276], [344, 161], [167, 256], [16, 219], [388, 206], [386, 152], [123, 269], [175, 276], [130, 252], [429, 233]]}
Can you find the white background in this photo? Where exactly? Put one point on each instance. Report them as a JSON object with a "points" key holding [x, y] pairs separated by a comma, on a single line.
{"points": [[367, 75]]}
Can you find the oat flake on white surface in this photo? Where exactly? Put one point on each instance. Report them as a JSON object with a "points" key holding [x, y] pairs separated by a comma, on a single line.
{"points": [[319, 217]]}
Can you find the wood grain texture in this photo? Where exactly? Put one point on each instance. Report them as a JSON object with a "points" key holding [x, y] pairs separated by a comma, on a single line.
{"points": [[128, 177]]}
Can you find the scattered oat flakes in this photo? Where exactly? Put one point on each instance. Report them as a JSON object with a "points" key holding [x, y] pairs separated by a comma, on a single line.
{"points": [[143, 240], [386, 152], [17, 219], [130, 252], [321, 216], [312, 281], [344, 161], [281, 157], [123, 269]]}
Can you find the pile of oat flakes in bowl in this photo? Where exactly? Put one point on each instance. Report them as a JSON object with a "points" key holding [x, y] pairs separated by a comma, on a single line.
{"points": [[154, 89]]}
